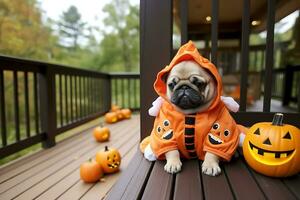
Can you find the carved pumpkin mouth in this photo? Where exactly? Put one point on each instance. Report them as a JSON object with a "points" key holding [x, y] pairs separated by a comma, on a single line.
{"points": [[269, 157], [168, 135], [114, 165], [214, 140]]}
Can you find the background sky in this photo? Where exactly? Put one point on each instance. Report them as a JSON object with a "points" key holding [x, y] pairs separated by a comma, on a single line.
{"points": [[90, 10]]}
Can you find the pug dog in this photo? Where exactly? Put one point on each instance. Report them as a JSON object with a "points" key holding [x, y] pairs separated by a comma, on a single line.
{"points": [[191, 89]]}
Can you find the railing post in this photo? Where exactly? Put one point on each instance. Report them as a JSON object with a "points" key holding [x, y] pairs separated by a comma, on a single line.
{"points": [[156, 50], [288, 84], [46, 86], [107, 93]]}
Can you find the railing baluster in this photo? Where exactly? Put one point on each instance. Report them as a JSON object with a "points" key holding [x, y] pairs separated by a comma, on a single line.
{"points": [[16, 105], [183, 21], [75, 98], [269, 55], [116, 91], [128, 93], [123, 91], [2, 103], [90, 96], [71, 98], [27, 118], [214, 31], [80, 96], [36, 105], [245, 54], [60, 100], [66, 99], [135, 93]]}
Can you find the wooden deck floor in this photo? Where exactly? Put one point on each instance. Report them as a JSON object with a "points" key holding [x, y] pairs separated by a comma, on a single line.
{"points": [[54, 173], [147, 180]]}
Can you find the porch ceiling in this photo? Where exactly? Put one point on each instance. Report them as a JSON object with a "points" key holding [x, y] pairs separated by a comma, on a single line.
{"points": [[230, 15]]}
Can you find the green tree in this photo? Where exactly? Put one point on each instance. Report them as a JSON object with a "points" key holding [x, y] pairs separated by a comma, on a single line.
{"points": [[22, 32], [71, 28], [119, 48]]}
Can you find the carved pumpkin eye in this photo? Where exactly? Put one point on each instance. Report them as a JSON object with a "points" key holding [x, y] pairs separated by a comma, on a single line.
{"points": [[226, 132], [166, 123], [257, 132], [159, 129], [216, 126], [267, 141], [287, 136]]}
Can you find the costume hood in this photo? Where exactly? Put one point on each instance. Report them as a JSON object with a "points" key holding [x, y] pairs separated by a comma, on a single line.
{"points": [[185, 53]]}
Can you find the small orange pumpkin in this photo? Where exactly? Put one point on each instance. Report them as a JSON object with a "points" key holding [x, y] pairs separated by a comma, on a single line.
{"points": [[114, 108], [120, 115], [111, 117], [101, 134], [109, 159], [126, 113], [273, 149], [90, 171]]}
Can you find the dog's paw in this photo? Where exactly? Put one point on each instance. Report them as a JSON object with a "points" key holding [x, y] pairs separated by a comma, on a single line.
{"points": [[211, 168], [173, 166]]}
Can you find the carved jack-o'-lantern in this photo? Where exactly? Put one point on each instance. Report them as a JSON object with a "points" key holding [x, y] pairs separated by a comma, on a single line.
{"points": [[164, 130], [109, 159], [218, 135], [101, 134], [273, 148]]}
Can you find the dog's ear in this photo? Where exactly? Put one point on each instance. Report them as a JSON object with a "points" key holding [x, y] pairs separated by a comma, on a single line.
{"points": [[164, 77]]}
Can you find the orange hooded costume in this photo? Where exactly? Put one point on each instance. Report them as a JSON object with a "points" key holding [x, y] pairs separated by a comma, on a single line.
{"points": [[213, 130]]}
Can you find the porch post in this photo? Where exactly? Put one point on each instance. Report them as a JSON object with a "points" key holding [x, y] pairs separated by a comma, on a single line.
{"points": [[155, 51]]}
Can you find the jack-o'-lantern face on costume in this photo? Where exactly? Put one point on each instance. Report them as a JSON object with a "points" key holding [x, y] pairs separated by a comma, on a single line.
{"points": [[273, 148], [218, 135], [164, 130]]}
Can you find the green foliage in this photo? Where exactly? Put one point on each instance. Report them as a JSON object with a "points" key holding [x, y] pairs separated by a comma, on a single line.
{"points": [[119, 48], [22, 32], [71, 28]]}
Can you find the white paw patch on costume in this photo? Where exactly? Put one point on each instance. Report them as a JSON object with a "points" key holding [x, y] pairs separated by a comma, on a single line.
{"points": [[148, 153]]}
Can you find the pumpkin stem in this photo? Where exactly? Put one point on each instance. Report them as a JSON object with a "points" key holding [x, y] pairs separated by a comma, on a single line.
{"points": [[277, 119], [106, 148], [101, 124]]}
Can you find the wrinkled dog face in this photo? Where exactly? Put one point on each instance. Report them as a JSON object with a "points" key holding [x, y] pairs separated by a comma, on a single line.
{"points": [[190, 88]]}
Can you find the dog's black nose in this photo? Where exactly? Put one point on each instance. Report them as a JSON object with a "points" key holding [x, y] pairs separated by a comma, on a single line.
{"points": [[184, 87]]}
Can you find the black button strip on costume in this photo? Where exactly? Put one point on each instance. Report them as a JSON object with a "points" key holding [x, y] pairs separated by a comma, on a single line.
{"points": [[189, 131], [189, 136], [189, 139], [189, 120]]}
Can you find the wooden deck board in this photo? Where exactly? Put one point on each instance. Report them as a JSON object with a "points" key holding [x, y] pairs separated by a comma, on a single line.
{"points": [[234, 171], [50, 177], [159, 188], [99, 190], [237, 181], [79, 189], [188, 183], [44, 155], [120, 187]]}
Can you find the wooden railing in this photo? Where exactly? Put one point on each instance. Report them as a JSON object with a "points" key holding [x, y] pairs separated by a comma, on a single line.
{"points": [[125, 89], [40, 100]]}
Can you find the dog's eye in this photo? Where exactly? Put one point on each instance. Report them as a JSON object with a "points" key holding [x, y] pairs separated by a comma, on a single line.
{"points": [[226, 132], [199, 83], [158, 129], [166, 123], [216, 126], [194, 80], [171, 85]]}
